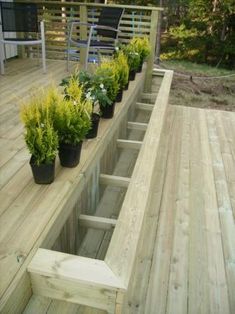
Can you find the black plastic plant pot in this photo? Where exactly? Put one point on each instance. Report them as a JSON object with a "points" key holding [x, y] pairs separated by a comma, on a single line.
{"points": [[44, 173], [95, 119], [70, 154], [119, 96], [127, 85], [107, 111], [140, 67], [132, 75]]}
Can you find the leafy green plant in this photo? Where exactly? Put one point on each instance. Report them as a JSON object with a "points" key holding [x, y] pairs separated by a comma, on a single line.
{"points": [[106, 76], [73, 115], [122, 68], [81, 77], [40, 136], [142, 46], [133, 57], [100, 88], [92, 86]]}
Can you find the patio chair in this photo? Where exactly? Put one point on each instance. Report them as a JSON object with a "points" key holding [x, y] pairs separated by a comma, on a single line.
{"points": [[20, 17], [106, 28]]}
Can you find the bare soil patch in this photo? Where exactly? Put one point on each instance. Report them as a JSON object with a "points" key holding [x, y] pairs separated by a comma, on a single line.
{"points": [[202, 93], [199, 90]]}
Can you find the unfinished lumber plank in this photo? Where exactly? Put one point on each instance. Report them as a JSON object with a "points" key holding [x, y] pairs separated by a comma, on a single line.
{"points": [[137, 126], [75, 279], [62, 307], [152, 38], [113, 180], [178, 278], [135, 301], [158, 72], [144, 106], [160, 269], [122, 250], [226, 133], [110, 203], [38, 304], [150, 96], [52, 207], [96, 222], [198, 298], [129, 144], [217, 124], [217, 284]]}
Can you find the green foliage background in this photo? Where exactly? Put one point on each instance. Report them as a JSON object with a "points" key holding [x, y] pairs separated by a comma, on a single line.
{"points": [[201, 31]]}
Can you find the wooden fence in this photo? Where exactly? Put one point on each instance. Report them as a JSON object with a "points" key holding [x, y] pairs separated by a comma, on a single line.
{"points": [[136, 21]]}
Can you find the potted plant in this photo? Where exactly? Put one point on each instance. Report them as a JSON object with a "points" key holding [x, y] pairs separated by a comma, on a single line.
{"points": [[142, 46], [105, 88], [85, 79], [40, 135], [72, 122], [123, 73], [133, 60]]}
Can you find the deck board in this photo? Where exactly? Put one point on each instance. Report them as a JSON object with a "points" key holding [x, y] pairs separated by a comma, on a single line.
{"points": [[206, 256], [17, 190], [27, 210], [185, 262], [186, 258]]}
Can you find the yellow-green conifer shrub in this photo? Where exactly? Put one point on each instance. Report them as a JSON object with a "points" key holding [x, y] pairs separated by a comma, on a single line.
{"points": [[122, 68], [142, 46], [40, 136], [109, 76], [73, 115], [133, 57]]}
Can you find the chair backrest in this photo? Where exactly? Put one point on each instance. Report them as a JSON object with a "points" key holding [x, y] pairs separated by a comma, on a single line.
{"points": [[19, 17], [109, 17]]}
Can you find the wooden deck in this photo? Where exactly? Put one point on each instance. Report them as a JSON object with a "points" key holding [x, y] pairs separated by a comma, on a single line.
{"points": [[186, 259], [186, 264]]}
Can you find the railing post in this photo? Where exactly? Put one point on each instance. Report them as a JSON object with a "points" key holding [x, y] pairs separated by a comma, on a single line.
{"points": [[83, 33], [152, 38]]}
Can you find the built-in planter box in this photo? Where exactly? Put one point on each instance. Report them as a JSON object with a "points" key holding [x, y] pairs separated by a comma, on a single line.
{"points": [[72, 215], [52, 211], [103, 283]]}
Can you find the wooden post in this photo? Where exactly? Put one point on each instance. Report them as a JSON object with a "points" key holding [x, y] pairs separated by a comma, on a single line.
{"points": [[83, 33], [152, 38]]}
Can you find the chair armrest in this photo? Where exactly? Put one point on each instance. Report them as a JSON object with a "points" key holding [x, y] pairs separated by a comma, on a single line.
{"points": [[106, 28], [80, 23]]}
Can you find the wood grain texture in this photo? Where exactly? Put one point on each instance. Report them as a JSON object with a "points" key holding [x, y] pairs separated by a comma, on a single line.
{"points": [[41, 208], [114, 180], [122, 250], [188, 231], [97, 222], [193, 272]]}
